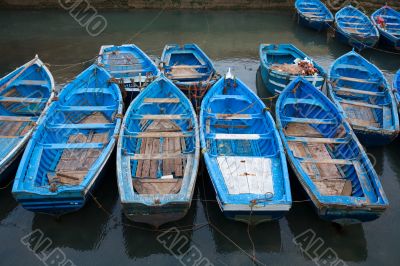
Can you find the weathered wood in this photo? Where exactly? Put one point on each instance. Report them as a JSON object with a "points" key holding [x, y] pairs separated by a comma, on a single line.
{"points": [[233, 116], [157, 186], [161, 100], [301, 130], [317, 140], [154, 163], [334, 187], [160, 135], [357, 80], [17, 118], [161, 117], [160, 156], [326, 161], [22, 100], [221, 136], [356, 103], [362, 92]]}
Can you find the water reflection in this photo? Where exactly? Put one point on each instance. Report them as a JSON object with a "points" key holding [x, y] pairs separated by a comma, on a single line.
{"points": [[85, 229], [348, 242], [268, 241]]}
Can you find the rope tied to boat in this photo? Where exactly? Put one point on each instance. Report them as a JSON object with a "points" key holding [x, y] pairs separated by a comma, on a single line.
{"points": [[268, 197]]}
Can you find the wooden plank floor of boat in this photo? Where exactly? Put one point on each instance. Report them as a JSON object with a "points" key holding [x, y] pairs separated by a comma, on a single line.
{"points": [[74, 164], [326, 177], [360, 116], [147, 179]]}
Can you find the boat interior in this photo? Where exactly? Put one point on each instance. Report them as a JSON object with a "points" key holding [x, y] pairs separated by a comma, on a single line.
{"points": [[363, 94], [186, 65], [323, 147], [22, 100], [241, 140], [313, 10], [73, 137], [159, 139], [127, 63]]}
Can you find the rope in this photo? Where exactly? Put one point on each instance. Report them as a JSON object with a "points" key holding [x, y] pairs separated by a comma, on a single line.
{"points": [[371, 47], [8, 184]]}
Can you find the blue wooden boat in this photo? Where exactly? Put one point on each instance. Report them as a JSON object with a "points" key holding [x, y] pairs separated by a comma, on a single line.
{"points": [[354, 28], [243, 154], [67, 153], [396, 87], [361, 92], [190, 69], [273, 56], [131, 68], [327, 157], [24, 96], [158, 155], [387, 21], [314, 14]]}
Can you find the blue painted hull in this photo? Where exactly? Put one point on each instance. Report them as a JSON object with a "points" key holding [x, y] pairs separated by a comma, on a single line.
{"points": [[227, 141], [316, 25], [275, 81], [270, 80], [156, 215], [169, 112], [196, 61], [358, 44], [347, 217], [64, 160], [390, 38], [313, 14], [364, 199], [368, 89], [354, 28]]}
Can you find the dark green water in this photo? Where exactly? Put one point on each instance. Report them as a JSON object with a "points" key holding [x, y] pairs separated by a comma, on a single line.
{"points": [[102, 236]]}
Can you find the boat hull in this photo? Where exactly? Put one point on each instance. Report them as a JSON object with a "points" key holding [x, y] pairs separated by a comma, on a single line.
{"points": [[317, 25], [275, 82], [156, 215], [357, 43], [63, 203], [345, 216], [373, 138], [388, 42]]}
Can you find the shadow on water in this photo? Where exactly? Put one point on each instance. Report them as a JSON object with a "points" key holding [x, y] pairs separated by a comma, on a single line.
{"points": [[85, 229], [376, 156], [132, 232], [8, 203], [236, 231], [349, 243]]}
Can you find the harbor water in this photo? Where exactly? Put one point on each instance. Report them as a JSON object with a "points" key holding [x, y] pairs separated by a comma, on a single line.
{"points": [[99, 234]]}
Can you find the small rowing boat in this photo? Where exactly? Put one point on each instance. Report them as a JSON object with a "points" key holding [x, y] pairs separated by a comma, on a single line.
{"points": [[387, 20], [158, 155], [396, 86], [67, 153], [190, 69], [282, 63], [313, 14], [243, 154], [25, 94], [327, 158], [130, 66], [361, 92], [354, 28]]}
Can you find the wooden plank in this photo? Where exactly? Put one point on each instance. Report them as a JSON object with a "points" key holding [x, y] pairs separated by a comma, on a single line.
{"points": [[356, 103], [139, 167], [233, 116], [387, 117], [221, 136], [334, 187], [153, 162], [362, 92], [311, 120], [161, 100], [159, 156], [326, 161], [146, 163], [301, 130], [22, 100], [157, 186], [161, 117], [17, 118], [357, 80], [166, 162], [161, 135], [187, 66], [317, 140], [178, 161]]}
